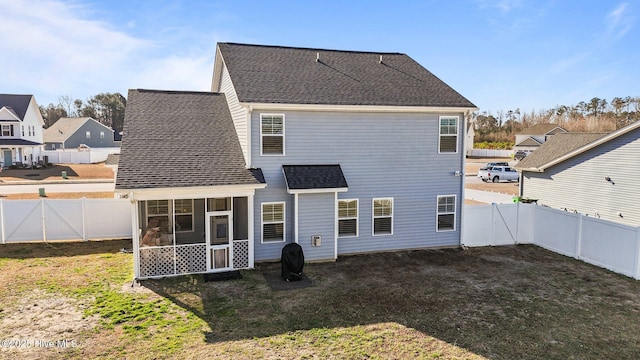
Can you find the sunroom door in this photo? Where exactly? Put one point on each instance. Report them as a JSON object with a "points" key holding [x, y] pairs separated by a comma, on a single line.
{"points": [[219, 233]]}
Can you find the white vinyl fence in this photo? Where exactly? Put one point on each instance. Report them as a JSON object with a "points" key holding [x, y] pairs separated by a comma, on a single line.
{"points": [[75, 156], [75, 219], [607, 244], [489, 153]]}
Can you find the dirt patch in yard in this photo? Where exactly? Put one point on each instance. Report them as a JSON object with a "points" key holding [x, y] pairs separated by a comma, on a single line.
{"points": [[503, 187], [54, 195], [74, 171], [510, 302]]}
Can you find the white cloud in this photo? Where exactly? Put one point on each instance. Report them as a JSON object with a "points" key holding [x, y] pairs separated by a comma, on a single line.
{"points": [[54, 51], [619, 21], [53, 48]]}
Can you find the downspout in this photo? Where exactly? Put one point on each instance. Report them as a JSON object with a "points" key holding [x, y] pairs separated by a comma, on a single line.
{"points": [[249, 137], [295, 220]]}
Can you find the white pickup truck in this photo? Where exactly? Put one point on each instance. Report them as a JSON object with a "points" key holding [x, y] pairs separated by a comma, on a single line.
{"points": [[497, 173]]}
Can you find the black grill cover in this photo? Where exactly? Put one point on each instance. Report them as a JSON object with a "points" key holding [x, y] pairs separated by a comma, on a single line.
{"points": [[292, 262]]}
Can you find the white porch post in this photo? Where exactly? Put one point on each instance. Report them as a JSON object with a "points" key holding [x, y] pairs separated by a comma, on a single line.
{"points": [[251, 230], [135, 237]]}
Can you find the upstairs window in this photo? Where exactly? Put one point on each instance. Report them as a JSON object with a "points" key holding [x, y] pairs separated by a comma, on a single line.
{"points": [[448, 142], [101, 134], [6, 130], [88, 134], [446, 213], [383, 216], [271, 134], [22, 128], [347, 218]]}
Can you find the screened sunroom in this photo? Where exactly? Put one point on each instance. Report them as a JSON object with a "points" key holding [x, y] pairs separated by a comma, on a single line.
{"points": [[192, 235]]}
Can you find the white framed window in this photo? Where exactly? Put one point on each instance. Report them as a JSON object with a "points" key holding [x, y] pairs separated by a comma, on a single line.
{"points": [[273, 223], [382, 216], [348, 218], [88, 134], [22, 128], [183, 209], [101, 134], [271, 134], [6, 130], [448, 139], [446, 218], [158, 214]]}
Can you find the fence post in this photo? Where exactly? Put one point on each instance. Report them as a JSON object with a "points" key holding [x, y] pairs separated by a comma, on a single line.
{"points": [[44, 221], [84, 218], [579, 237], [2, 220], [637, 257], [517, 222], [493, 224]]}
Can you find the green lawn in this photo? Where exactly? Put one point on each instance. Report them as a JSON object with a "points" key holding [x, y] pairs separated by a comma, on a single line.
{"points": [[500, 303]]}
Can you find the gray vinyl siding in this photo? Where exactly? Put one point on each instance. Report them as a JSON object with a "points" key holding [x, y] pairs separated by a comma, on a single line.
{"points": [[238, 113], [316, 216], [579, 183], [80, 136], [382, 155]]}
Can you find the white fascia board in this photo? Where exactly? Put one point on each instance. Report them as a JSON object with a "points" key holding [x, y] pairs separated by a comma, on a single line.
{"points": [[8, 114], [192, 192], [316, 191], [591, 145], [356, 108]]}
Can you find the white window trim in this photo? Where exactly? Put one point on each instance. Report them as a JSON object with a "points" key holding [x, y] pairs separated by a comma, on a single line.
{"points": [[373, 217], [101, 134], [88, 134], [168, 214], [8, 127], [457, 135], [455, 206], [338, 218], [173, 205], [284, 222], [283, 134]]}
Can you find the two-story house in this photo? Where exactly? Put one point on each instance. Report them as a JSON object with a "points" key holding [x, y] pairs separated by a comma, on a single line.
{"points": [[70, 133], [21, 130], [530, 139], [343, 152]]}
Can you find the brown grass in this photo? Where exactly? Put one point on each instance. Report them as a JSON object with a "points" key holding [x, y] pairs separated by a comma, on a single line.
{"points": [[497, 302], [54, 195], [74, 171]]}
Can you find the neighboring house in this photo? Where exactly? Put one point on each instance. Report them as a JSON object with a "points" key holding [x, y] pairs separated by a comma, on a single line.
{"points": [[343, 152], [20, 130], [532, 137], [70, 133], [112, 162], [470, 135], [590, 173]]}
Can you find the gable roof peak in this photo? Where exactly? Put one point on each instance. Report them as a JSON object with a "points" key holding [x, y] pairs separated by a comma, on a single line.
{"points": [[320, 50]]}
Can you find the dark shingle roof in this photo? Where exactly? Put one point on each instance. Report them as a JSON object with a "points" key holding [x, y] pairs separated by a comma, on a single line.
{"points": [[112, 159], [180, 139], [18, 142], [301, 177], [539, 129], [19, 103], [558, 145], [287, 75], [529, 142]]}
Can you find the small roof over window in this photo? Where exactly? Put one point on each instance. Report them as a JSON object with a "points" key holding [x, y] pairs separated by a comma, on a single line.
{"points": [[314, 178]]}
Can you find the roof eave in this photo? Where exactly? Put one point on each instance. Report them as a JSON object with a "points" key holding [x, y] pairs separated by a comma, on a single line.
{"points": [[193, 192], [317, 190], [591, 145], [356, 108]]}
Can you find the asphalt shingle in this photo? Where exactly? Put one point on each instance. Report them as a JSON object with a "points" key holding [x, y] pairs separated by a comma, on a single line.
{"points": [[18, 103], [557, 146], [302, 177], [288, 75], [180, 139]]}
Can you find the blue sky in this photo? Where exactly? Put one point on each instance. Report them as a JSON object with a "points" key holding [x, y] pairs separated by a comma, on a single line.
{"points": [[500, 54]]}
